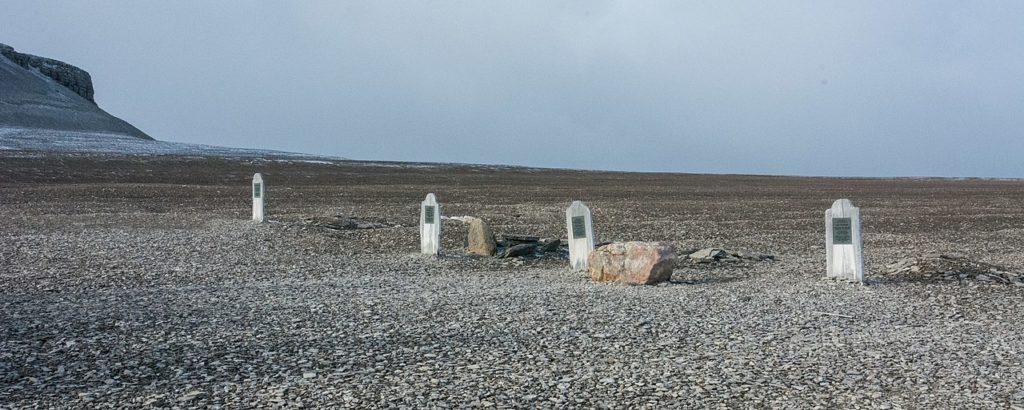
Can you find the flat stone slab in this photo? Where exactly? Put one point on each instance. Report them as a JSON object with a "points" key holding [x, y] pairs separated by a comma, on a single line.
{"points": [[520, 238], [523, 249]]}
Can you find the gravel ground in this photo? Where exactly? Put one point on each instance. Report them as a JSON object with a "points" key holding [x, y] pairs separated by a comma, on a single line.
{"points": [[122, 286]]}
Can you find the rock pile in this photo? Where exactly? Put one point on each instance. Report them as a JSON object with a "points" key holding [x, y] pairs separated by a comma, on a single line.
{"points": [[515, 245], [953, 268], [480, 240], [712, 255], [339, 222], [522, 249]]}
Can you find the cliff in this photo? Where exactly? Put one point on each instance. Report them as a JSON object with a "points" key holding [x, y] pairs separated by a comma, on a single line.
{"points": [[43, 93]]}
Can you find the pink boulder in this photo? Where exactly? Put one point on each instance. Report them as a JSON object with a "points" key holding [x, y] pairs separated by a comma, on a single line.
{"points": [[634, 263]]}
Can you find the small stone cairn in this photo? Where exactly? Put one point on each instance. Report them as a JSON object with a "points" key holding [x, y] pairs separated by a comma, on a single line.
{"points": [[718, 255], [952, 267]]}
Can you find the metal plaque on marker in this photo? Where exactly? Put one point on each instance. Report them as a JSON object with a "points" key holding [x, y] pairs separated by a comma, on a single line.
{"points": [[579, 227], [428, 214], [842, 231], [257, 190]]}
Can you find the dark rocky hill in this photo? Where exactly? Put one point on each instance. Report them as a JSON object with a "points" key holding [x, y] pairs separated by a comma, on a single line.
{"points": [[42, 93]]}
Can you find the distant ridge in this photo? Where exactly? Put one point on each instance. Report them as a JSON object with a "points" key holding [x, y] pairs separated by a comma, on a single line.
{"points": [[42, 93], [19, 141]]}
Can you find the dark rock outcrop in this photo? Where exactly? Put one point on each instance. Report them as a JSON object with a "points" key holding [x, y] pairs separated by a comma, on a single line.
{"points": [[71, 77], [42, 93]]}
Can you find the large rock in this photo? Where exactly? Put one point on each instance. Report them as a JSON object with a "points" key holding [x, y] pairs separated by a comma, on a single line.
{"points": [[480, 239], [635, 263]]}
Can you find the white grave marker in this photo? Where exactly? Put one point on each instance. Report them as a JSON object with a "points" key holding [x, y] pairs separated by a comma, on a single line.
{"points": [[259, 194], [430, 226], [581, 234], [844, 251]]}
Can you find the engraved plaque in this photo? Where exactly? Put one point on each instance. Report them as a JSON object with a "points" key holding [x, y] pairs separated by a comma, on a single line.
{"points": [[842, 231], [579, 227], [257, 190], [428, 214]]}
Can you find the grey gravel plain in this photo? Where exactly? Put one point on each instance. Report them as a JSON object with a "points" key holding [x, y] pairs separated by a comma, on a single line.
{"points": [[140, 281]]}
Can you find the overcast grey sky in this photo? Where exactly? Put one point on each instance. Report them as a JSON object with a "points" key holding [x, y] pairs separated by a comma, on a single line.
{"points": [[799, 87]]}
